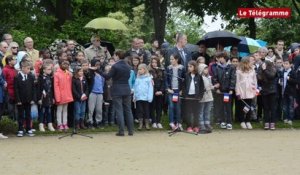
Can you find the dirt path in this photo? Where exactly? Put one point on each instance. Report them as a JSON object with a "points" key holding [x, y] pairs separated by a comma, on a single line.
{"points": [[219, 153]]}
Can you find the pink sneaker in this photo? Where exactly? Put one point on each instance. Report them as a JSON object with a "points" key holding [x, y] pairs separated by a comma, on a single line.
{"points": [[66, 127], [60, 127], [196, 129], [189, 129]]}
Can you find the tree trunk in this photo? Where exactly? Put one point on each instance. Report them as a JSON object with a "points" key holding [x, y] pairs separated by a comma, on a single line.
{"points": [[252, 28], [159, 10], [252, 24], [63, 12]]}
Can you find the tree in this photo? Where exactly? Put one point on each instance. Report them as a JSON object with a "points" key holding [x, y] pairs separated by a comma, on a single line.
{"points": [[159, 9], [181, 22]]}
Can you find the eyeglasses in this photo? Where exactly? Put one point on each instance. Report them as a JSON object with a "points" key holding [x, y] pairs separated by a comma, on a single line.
{"points": [[14, 47]]}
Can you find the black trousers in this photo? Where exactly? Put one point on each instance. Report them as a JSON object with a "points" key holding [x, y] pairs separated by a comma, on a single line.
{"points": [[192, 111], [260, 106], [269, 106], [156, 108], [142, 109], [24, 108], [246, 116]]}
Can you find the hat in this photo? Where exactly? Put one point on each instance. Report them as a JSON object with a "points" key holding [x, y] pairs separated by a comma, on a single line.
{"points": [[201, 67], [94, 61]]}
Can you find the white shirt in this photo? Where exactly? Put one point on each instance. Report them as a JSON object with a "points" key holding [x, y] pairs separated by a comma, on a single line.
{"points": [[192, 90]]}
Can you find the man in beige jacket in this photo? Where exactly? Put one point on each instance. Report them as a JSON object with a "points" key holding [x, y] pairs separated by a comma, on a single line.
{"points": [[95, 50]]}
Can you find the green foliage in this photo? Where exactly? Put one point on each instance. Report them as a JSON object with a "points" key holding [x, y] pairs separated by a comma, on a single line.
{"points": [[8, 126], [182, 22]]}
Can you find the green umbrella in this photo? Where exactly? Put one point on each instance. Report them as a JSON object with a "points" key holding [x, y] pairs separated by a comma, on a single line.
{"points": [[106, 23]]}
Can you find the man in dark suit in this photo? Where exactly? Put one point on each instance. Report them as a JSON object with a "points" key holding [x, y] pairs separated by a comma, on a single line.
{"points": [[202, 52], [121, 93], [185, 57], [180, 49]]}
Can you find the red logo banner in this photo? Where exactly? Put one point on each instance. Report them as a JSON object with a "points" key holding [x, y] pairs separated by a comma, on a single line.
{"points": [[264, 12]]}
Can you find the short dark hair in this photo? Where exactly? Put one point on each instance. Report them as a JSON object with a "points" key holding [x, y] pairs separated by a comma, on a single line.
{"points": [[60, 61], [287, 60], [24, 63], [120, 54], [8, 59], [221, 54]]}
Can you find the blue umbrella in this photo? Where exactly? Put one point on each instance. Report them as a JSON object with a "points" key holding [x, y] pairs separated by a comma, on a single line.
{"points": [[262, 43], [248, 45]]}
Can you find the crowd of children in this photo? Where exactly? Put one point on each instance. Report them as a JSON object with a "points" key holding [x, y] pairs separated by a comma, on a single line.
{"points": [[72, 87]]}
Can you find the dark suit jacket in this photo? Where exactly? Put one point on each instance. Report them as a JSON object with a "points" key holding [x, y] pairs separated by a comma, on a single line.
{"points": [[24, 89], [119, 73], [174, 50]]}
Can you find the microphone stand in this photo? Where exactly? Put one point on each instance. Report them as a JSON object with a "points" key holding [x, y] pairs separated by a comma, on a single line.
{"points": [[74, 132], [172, 132]]}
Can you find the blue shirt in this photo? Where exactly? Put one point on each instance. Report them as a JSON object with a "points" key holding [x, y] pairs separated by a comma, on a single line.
{"points": [[98, 84]]}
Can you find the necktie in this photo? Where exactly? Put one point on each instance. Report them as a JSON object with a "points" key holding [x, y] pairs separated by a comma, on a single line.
{"points": [[182, 56]]}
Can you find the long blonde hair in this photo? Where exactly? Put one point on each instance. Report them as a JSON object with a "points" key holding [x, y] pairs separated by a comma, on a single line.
{"points": [[245, 65]]}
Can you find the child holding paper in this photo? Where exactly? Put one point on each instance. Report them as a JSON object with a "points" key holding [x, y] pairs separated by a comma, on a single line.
{"points": [[245, 89]]}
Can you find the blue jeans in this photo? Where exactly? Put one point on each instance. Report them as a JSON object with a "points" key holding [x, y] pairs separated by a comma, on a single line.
{"points": [[79, 109], [174, 110], [288, 107], [46, 113], [204, 116]]}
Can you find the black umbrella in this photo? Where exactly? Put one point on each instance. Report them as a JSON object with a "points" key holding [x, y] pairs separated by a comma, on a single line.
{"points": [[224, 38], [192, 47], [294, 46]]}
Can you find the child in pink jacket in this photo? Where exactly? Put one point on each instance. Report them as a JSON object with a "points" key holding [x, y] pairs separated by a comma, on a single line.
{"points": [[63, 93], [245, 89]]}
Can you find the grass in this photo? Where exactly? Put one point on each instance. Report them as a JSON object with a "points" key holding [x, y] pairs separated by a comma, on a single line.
{"points": [[236, 126]]}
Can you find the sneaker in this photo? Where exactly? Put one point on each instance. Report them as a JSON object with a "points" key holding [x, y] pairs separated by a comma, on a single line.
{"points": [[20, 134], [66, 127], [272, 126], [3, 136], [154, 125], [285, 121], [229, 126], [60, 127], [136, 120], [290, 122], [196, 129], [267, 126], [243, 125], [173, 127], [189, 129], [41, 127], [249, 126], [179, 126], [30, 133], [50, 127], [223, 125], [159, 126], [208, 127], [90, 126]]}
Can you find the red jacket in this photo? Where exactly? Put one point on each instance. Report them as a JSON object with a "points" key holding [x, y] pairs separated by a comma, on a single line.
{"points": [[9, 75], [63, 87]]}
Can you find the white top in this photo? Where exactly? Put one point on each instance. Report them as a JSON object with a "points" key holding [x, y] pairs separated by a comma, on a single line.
{"points": [[192, 90]]}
